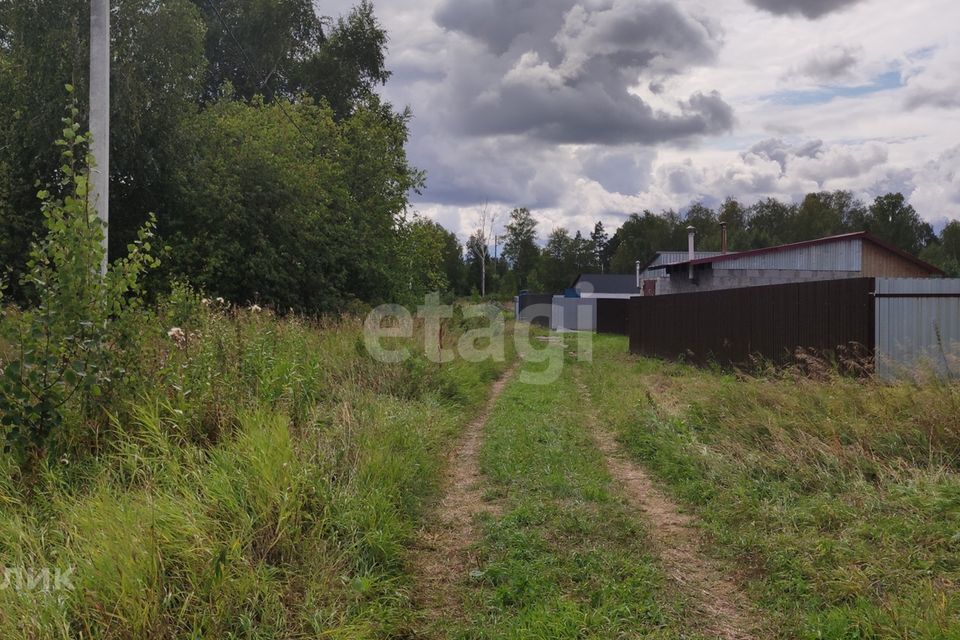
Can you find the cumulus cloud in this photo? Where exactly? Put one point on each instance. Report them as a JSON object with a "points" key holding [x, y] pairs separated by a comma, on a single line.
{"points": [[811, 9], [937, 192], [831, 65], [498, 23], [776, 168], [624, 172], [562, 72], [813, 161], [779, 151], [934, 82], [591, 109], [937, 97], [502, 170], [840, 161]]}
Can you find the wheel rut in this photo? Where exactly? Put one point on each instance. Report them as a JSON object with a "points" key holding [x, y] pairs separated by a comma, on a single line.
{"points": [[724, 610], [441, 556]]}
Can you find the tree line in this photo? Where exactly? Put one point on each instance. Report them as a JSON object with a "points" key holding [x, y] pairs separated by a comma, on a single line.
{"points": [[254, 132], [550, 264]]}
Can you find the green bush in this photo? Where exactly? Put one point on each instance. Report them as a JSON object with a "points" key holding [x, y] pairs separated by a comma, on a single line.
{"points": [[63, 346]]}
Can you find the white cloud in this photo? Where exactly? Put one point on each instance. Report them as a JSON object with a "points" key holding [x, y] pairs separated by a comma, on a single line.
{"points": [[937, 190], [486, 80]]}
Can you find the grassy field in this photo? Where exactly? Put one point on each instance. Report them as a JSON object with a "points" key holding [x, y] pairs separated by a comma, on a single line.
{"points": [[838, 500], [565, 559], [260, 479]]}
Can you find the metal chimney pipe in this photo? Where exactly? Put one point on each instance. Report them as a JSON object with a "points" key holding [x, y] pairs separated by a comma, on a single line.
{"points": [[638, 274], [723, 237], [691, 236]]}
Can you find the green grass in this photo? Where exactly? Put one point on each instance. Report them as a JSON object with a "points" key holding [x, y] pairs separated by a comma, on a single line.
{"points": [[264, 480], [567, 558], [261, 482], [839, 499]]}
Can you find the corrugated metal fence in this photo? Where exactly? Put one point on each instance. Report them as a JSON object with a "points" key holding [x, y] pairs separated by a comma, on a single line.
{"points": [[917, 324], [909, 325], [732, 325], [612, 315]]}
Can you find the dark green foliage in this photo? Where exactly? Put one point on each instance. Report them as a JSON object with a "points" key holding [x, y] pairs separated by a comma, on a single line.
{"points": [[891, 219], [643, 235], [557, 262], [431, 259], [600, 242], [945, 253], [157, 69], [520, 248], [771, 222], [263, 216], [283, 49], [310, 214], [63, 347]]}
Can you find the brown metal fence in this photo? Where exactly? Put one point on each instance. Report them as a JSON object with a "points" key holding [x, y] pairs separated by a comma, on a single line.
{"points": [[732, 325], [612, 315]]}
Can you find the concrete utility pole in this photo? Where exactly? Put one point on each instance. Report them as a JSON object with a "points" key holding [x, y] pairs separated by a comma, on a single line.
{"points": [[100, 115]]}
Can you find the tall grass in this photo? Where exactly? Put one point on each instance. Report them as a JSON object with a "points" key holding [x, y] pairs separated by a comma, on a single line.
{"points": [[840, 498], [257, 477]]}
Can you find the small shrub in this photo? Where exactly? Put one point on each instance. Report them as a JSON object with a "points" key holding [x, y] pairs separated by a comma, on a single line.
{"points": [[63, 346]]}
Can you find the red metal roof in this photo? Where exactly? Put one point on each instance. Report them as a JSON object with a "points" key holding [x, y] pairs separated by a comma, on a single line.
{"points": [[807, 243]]}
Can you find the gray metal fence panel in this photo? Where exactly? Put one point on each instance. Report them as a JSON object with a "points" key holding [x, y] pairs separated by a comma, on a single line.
{"points": [[574, 314], [917, 326]]}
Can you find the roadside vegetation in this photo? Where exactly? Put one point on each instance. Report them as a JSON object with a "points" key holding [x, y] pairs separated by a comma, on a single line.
{"points": [[837, 498], [256, 477], [188, 468]]}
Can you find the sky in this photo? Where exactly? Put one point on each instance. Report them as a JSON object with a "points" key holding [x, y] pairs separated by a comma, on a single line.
{"points": [[589, 110]]}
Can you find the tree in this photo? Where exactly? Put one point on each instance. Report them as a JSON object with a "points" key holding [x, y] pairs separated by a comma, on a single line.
{"points": [[824, 214], [265, 215], [158, 64], [423, 247], [945, 252], [283, 49], [557, 263], [520, 248], [478, 255], [769, 223], [641, 236], [479, 244], [583, 253], [734, 215], [171, 57], [600, 240], [950, 239], [891, 219], [349, 64], [453, 264]]}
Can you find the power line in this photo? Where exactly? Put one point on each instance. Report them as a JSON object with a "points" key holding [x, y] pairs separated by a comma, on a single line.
{"points": [[256, 73]]}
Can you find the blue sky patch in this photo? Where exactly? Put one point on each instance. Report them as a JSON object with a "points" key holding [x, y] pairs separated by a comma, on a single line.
{"points": [[882, 82]]}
